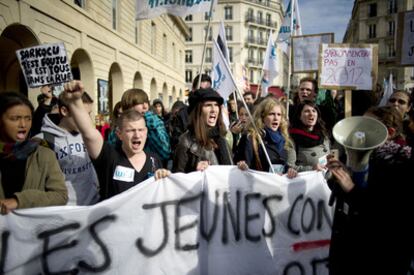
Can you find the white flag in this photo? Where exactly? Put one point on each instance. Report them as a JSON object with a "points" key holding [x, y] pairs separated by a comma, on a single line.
{"points": [[269, 66], [222, 43], [146, 9], [388, 90], [222, 78], [285, 30]]}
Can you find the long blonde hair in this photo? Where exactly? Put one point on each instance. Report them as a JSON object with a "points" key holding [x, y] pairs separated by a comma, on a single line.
{"points": [[260, 112]]}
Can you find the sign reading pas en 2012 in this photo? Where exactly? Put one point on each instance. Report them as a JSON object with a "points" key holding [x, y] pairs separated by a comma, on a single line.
{"points": [[45, 64]]}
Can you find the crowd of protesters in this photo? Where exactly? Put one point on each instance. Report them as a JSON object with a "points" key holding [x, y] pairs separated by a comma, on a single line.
{"points": [[55, 156]]}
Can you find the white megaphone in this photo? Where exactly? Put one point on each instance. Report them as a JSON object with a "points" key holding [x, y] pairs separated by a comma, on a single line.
{"points": [[360, 136]]}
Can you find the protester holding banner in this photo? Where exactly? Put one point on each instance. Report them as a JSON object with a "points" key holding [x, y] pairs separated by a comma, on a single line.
{"points": [[372, 231], [311, 139], [29, 172], [64, 138], [121, 168], [204, 142], [270, 120]]}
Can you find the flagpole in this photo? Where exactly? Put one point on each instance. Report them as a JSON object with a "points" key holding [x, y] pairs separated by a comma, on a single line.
{"points": [[205, 44], [249, 114], [292, 10]]}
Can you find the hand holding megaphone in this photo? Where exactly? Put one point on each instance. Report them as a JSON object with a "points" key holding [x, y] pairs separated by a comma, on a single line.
{"points": [[359, 136]]}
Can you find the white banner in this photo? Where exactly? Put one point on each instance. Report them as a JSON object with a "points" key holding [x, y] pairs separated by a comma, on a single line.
{"points": [[146, 9], [221, 221], [285, 30], [45, 64], [269, 69], [221, 74]]}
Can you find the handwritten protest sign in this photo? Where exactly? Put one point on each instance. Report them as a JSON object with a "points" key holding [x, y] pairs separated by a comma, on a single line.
{"points": [[45, 64], [407, 52], [221, 221], [348, 66], [305, 51]]}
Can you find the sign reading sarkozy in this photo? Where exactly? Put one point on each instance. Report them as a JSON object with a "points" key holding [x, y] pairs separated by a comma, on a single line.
{"points": [[221, 221], [45, 64]]}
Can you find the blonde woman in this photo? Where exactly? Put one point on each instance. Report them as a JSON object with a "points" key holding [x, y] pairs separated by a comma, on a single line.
{"points": [[271, 124]]}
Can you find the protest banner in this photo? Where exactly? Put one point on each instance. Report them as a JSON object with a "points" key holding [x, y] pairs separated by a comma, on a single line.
{"points": [[45, 64], [348, 66], [146, 9], [405, 38], [305, 51], [220, 221]]}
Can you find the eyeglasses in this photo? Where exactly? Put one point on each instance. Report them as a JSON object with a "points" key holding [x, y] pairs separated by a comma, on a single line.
{"points": [[400, 101]]}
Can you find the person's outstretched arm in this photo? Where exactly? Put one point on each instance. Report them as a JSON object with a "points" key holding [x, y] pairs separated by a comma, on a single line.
{"points": [[91, 137]]}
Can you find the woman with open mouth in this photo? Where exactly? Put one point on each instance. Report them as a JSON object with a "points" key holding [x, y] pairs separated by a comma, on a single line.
{"points": [[29, 172], [271, 126], [203, 144], [311, 139]]}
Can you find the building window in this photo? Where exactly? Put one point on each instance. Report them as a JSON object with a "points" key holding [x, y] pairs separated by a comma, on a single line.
{"points": [[251, 72], [114, 14], [208, 55], [260, 55], [188, 76], [80, 3], [391, 50], [190, 37], [231, 54], [391, 27], [250, 56], [228, 13], [259, 17], [250, 16], [250, 35], [372, 33], [164, 46], [153, 38], [210, 36], [188, 56], [372, 10], [268, 19], [392, 6], [206, 15], [412, 73], [260, 39], [136, 32], [229, 33], [174, 55], [189, 17]]}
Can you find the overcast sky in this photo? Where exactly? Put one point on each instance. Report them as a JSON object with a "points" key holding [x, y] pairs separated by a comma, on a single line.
{"points": [[319, 16]]}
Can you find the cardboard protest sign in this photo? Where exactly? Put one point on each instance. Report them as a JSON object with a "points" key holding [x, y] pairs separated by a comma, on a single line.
{"points": [[305, 51], [45, 64], [405, 39], [220, 221], [348, 66]]}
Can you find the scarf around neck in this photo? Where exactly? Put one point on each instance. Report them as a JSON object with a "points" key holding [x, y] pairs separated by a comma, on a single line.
{"points": [[276, 138], [18, 150], [306, 139]]}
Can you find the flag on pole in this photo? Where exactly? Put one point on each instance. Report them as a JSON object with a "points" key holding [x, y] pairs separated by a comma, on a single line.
{"points": [[146, 9], [221, 75], [222, 43], [388, 90], [285, 30], [269, 66]]}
